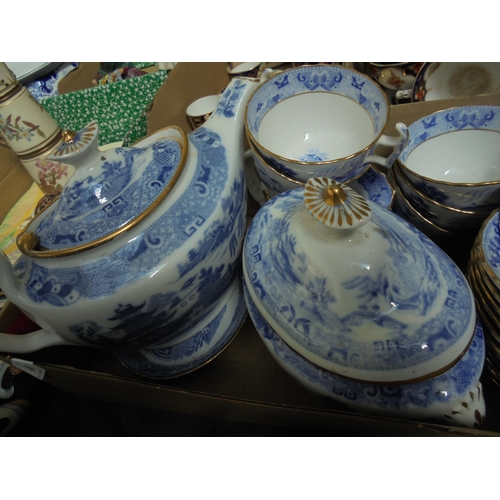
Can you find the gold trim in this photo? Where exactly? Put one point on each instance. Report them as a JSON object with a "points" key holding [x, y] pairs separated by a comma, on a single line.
{"points": [[335, 205], [44, 148], [294, 181], [447, 183], [69, 146], [478, 246], [399, 174], [31, 251], [328, 162], [17, 87], [407, 204]]}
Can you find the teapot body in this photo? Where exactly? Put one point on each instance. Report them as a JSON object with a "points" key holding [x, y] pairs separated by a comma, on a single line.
{"points": [[145, 286]]}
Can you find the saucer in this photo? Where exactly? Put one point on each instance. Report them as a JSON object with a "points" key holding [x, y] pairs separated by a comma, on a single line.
{"points": [[453, 396], [372, 185], [207, 340]]}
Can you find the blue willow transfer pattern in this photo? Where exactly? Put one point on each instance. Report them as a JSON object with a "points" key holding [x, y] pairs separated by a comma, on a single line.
{"points": [[318, 79], [408, 397], [199, 278], [195, 351], [110, 198], [417, 279], [491, 242], [462, 118]]}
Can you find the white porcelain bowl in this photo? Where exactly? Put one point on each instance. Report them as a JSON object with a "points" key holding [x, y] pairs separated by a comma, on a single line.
{"points": [[443, 80], [450, 219], [453, 157], [323, 120], [264, 182]]}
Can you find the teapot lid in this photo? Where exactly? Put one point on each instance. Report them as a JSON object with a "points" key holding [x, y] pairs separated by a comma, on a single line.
{"points": [[110, 192], [354, 288]]}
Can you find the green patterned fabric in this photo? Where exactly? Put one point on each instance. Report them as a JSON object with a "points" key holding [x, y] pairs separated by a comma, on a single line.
{"points": [[117, 107]]}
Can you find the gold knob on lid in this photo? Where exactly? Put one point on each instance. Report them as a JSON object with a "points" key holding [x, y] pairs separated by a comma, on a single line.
{"points": [[335, 205]]}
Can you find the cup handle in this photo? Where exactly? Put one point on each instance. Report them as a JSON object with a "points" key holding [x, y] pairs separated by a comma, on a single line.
{"points": [[397, 143], [30, 342]]}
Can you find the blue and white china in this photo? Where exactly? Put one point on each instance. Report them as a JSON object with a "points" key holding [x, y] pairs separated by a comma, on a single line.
{"points": [[488, 246], [323, 120], [142, 243], [444, 80], [402, 207], [453, 157], [357, 291], [483, 273], [372, 185], [450, 219], [454, 397], [196, 348], [47, 86]]}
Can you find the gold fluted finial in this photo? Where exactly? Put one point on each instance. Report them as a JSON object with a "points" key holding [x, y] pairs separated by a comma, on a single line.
{"points": [[335, 205], [68, 135]]}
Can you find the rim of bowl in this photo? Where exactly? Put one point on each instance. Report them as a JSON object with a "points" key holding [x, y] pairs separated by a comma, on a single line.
{"points": [[420, 75], [294, 181], [479, 246], [324, 162], [448, 183], [485, 271], [413, 210], [399, 174]]}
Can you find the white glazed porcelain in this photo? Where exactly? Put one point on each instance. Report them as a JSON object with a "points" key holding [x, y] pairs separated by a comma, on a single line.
{"points": [[395, 76], [244, 69], [450, 219], [31, 133], [358, 292], [381, 303], [453, 157], [443, 80], [265, 183], [321, 121], [454, 398], [142, 243], [200, 110], [407, 211]]}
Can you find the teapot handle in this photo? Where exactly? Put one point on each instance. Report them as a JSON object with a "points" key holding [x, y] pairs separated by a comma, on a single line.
{"points": [[398, 143], [30, 342]]}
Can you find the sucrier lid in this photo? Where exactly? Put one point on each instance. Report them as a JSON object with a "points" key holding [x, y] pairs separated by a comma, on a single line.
{"points": [[110, 192], [358, 291]]}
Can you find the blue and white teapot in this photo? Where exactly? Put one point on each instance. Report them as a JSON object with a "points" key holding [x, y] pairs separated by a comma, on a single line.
{"points": [[141, 253]]}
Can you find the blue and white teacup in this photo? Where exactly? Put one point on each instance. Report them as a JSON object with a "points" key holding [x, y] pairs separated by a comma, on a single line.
{"points": [[323, 120], [453, 157]]}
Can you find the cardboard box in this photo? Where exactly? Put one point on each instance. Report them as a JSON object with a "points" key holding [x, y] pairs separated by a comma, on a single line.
{"points": [[243, 383]]}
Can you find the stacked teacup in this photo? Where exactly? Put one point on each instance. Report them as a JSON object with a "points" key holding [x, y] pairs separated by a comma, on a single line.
{"points": [[318, 121], [447, 178], [483, 274]]}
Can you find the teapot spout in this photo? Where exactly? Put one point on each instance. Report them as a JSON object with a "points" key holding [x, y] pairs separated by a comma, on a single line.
{"points": [[229, 116]]}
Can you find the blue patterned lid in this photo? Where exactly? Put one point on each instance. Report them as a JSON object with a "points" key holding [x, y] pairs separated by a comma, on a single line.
{"points": [[110, 192], [354, 288]]}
